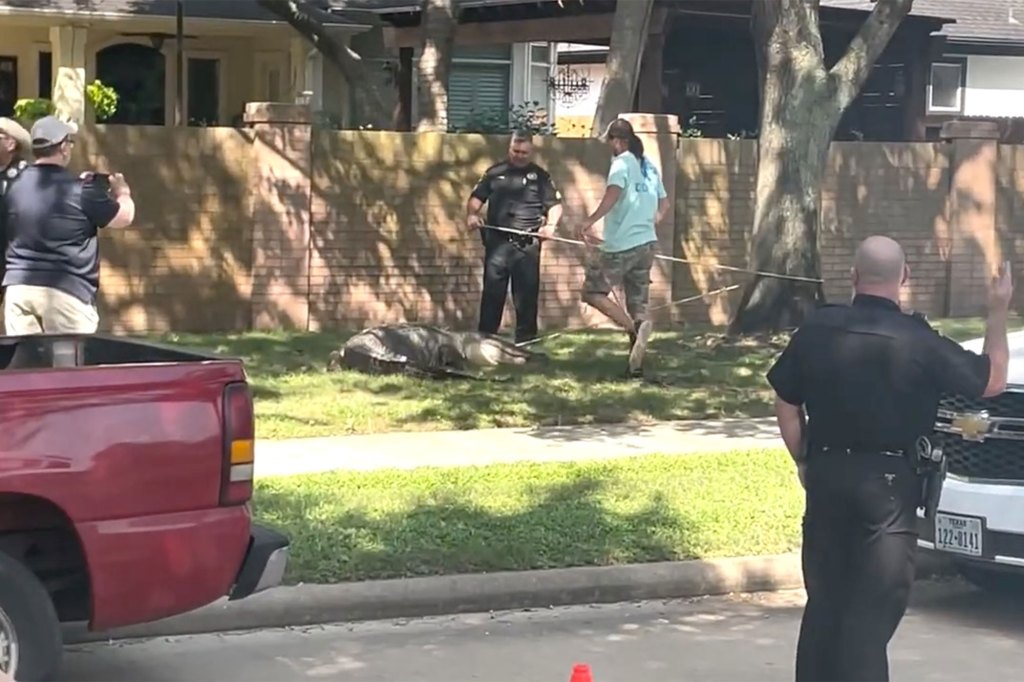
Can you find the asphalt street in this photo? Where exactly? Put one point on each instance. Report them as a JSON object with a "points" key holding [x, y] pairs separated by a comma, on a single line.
{"points": [[952, 632]]}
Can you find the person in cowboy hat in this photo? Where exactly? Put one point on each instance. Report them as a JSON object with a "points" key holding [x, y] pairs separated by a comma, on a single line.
{"points": [[15, 145]]}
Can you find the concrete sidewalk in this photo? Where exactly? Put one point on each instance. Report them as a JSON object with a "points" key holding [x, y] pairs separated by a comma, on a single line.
{"points": [[407, 450]]}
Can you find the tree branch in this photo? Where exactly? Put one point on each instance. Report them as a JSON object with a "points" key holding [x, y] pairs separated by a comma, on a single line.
{"points": [[311, 23], [850, 72]]}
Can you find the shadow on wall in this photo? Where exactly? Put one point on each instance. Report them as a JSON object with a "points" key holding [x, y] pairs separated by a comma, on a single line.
{"points": [[1010, 213], [352, 228], [388, 237], [186, 262], [898, 189]]}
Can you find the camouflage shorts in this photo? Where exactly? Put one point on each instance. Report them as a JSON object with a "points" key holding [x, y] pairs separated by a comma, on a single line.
{"points": [[630, 269]]}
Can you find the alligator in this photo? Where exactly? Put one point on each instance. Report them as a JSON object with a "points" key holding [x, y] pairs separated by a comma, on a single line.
{"points": [[427, 351]]}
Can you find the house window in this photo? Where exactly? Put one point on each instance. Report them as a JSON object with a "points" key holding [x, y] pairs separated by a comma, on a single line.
{"points": [[946, 87], [45, 75], [478, 85], [8, 85], [539, 69], [203, 91]]}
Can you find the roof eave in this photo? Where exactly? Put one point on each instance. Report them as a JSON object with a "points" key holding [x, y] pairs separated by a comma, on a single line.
{"points": [[982, 41], [36, 12]]}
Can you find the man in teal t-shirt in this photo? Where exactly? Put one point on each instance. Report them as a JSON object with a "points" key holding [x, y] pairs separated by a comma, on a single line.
{"points": [[634, 202]]}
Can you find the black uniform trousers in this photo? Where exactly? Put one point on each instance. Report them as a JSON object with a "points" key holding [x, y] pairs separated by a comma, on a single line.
{"points": [[505, 260], [859, 544]]}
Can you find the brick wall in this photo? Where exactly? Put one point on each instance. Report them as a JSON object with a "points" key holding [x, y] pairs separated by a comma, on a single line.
{"points": [[187, 261], [388, 236], [284, 225]]}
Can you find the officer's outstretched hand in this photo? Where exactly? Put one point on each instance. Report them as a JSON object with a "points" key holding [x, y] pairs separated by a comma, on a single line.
{"points": [[1001, 290]]}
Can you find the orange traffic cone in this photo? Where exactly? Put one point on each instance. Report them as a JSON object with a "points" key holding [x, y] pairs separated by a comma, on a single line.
{"points": [[581, 673]]}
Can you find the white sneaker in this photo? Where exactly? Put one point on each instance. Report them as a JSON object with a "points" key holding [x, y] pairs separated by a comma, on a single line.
{"points": [[636, 355]]}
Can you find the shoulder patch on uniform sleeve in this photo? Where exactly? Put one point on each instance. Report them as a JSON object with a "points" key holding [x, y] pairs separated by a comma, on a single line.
{"points": [[920, 318]]}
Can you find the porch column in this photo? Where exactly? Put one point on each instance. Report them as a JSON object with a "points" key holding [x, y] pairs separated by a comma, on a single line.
{"points": [[298, 53], [67, 44]]}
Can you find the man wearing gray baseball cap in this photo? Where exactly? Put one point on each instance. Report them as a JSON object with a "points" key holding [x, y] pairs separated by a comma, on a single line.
{"points": [[53, 220]]}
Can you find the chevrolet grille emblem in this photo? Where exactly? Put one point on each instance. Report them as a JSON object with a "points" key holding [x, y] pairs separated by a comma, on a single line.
{"points": [[972, 426]]}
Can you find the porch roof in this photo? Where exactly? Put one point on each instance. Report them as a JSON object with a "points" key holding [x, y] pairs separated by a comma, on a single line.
{"points": [[222, 10], [402, 12]]}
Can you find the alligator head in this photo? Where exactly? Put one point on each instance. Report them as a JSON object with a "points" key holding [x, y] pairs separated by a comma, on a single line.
{"points": [[486, 350]]}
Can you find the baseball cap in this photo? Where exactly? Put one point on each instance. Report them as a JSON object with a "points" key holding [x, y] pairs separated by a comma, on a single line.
{"points": [[49, 131], [620, 129]]}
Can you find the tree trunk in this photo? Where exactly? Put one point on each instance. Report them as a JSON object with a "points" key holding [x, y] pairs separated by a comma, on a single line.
{"points": [[438, 21], [801, 105], [308, 21], [622, 66]]}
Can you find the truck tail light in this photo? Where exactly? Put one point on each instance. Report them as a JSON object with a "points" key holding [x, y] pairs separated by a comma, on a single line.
{"points": [[239, 445]]}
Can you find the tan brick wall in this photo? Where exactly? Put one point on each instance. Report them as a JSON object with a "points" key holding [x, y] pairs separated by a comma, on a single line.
{"points": [[186, 263], [234, 231], [388, 237], [1010, 212], [895, 189]]}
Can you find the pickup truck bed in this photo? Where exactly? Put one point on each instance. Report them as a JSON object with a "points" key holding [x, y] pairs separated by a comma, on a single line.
{"points": [[125, 480]]}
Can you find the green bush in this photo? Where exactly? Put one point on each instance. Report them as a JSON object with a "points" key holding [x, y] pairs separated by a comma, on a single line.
{"points": [[528, 117], [102, 98], [28, 111]]}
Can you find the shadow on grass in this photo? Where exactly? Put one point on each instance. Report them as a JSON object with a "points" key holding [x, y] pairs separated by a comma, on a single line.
{"points": [[698, 374], [441, 534]]}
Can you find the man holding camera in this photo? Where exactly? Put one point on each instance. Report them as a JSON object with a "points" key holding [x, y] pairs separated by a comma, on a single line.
{"points": [[53, 220]]}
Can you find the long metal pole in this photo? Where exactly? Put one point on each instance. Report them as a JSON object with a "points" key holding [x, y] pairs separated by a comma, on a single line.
{"points": [[673, 259]]}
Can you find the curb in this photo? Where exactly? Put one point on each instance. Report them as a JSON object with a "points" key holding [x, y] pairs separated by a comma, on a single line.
{"points": [[305, 605], [441, 595]]}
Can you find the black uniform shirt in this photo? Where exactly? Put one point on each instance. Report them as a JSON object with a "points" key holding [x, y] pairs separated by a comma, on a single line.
{"points": [[52, 221], [517, 197], [871, 376]]}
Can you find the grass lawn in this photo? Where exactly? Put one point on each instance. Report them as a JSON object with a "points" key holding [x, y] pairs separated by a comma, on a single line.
{"points": [[348, 526], [707, 376]]}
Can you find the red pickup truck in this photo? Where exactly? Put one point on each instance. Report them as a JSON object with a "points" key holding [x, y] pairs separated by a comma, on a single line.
{"points": [[126, 471]]}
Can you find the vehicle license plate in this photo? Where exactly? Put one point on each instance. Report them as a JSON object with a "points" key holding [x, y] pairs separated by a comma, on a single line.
{"points": [[960, 534]]}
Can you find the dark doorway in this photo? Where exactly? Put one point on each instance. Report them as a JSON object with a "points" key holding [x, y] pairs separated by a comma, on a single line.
{"points": [[137, 74], [8, 85], [203, 92]]}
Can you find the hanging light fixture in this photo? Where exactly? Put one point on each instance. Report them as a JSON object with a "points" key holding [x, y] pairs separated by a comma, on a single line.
{"points": [[569, 85]]}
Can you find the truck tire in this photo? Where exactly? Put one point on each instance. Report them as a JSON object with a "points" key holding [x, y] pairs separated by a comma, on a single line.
{"points": [[31, 645]]}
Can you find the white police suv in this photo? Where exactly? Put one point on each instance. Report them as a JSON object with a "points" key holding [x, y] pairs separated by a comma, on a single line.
{"points": [[979, 523]]}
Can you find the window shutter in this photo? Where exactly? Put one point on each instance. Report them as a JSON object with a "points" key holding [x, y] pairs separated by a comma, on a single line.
{"points": [[476, 90]]}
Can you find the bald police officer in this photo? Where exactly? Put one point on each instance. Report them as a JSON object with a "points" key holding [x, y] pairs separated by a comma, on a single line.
{"points": [[520, 195], [857, 388]]}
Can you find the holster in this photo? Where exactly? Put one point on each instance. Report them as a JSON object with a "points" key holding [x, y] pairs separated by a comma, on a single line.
{"points": [[931, 484], [931, 466]]}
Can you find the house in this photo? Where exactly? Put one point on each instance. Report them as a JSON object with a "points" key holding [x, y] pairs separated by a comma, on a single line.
{"points": [[233, 52], [975, 70], [699, 62], [979, 72], [490, 74]]}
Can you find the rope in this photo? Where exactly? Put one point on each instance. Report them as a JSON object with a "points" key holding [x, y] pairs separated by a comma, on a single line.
{"points": [[662, 257], [688, 299]]}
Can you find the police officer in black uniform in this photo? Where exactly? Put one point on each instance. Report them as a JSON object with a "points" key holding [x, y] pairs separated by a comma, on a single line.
{"points": [[857, 391], [520, 195], [15, 145]]}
